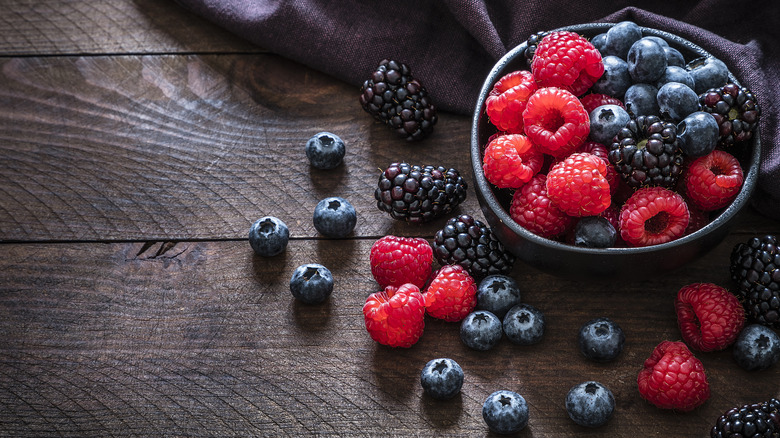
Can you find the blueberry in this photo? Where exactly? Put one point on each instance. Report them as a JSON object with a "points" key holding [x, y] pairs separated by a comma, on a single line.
{"points": [[590, 404], [325, 150], [311, 283], [442, 378], [268, 236], [594, 232], [615, 80], [620, 37], [606, 121], [599, 40], [646, 61], [524, 324], [674, 57], [480, 330], [505, 412], [698, 134], [708, 73], [677, 101], [674, 73], [497, 294], [601, 340], [757, 347], [334, 217], [641, 100], [661, 42]]}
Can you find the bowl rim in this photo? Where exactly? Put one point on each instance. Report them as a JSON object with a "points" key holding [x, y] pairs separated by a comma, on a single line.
{"points": [[485, 189]]}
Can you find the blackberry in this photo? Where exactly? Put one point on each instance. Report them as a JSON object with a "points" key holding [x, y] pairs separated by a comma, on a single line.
{"points": [[750, 420], [530, 46], [755, 267], [646, 153], [470, 243], [398, 100], [419, 194], [735, 109]]}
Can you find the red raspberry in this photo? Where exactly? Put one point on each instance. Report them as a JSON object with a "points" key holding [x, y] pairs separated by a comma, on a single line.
{"points": [[567, 60], [602, 152], [653, 215], [709, 316], [506, 101], [556, 121], [399, 260], [395, 316], [714, 180], [578, 185], [534, 211], [511, 160], [452, 294], [594, 100], [673, 378]]}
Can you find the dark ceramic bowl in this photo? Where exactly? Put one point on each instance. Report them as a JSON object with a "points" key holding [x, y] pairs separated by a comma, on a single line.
{"points": [[573, 262]]}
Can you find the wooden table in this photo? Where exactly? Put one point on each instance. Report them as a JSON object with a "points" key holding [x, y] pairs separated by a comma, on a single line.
{"points": [[138, 145]]}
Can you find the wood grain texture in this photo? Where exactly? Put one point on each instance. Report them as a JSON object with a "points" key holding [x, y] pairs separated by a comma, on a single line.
{"points": [[204, 339], [77, 27], [188, 147]]}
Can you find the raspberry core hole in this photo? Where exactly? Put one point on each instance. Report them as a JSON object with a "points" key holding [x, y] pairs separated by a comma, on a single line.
{"points": [[552, 121], [658, 223]]}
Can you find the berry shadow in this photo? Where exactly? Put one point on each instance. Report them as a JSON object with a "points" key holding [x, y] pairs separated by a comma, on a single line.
{"points": [[266, 270], [396, 371], [323, 181], [312, 319], [444, 414], [337, 254]]}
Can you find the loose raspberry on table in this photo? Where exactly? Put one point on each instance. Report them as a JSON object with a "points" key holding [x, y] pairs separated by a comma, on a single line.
{"points": [[578, 185], [673, 378], [594, 100], [653, 215], [506, 101], [451, 295], [714, 180], [533, 210], [511, 160], [567, 60], [399, 260], [709, 316], [395, 316], [555, 121]]}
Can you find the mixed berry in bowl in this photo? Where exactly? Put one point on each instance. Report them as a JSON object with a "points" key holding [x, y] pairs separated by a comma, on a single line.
{"points": [[635, 126]]}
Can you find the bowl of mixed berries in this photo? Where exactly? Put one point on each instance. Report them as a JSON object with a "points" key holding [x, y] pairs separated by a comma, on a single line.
{"points": [[613, 150]]}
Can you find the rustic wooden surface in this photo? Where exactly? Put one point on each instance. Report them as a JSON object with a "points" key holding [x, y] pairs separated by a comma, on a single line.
{"points": [[138, 144]]}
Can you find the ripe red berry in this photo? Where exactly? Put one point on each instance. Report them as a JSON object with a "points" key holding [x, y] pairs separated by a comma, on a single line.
{"points": [[594, 100], [506, 101], [399, 260], [451, 295], [578, 185], [653, 215], [395, 316], [533, 210], [673, 378], [567, 60], [601, 151], [714, 180], [555, 121], [511, 160], [709, 316]]}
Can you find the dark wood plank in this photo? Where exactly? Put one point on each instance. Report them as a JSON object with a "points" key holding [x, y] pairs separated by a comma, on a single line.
{"points": [[188, 147], [52, 27], [203, 338]]}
